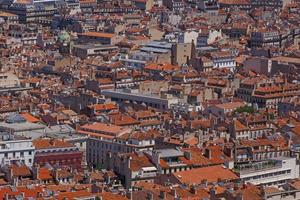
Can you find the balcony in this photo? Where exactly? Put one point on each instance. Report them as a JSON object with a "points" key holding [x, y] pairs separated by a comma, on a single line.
{"points": [[257, 167]]}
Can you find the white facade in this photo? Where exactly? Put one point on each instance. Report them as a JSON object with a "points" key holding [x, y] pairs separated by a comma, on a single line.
{"points": [[16, 151], [152, 101], [228, 62], [98, 149], [188, 37], [8, 80], [275, 173]]}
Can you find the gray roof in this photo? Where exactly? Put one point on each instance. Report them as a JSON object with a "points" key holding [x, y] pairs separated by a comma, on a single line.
{"points": [[57, 131], [160, 44], [164, 153], [155, 50], [23, 126]]}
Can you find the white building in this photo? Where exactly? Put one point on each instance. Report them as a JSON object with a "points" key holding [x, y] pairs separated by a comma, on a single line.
{"points": [[223, 109], [105, 139], [271, 172], [188, 37], [223, 59], [15, 150], [9, 80], [159, 102]]}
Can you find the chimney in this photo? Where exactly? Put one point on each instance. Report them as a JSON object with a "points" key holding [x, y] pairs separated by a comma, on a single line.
{"points": [[95, 188], [212, 193], [240, 196], [149, 196], [200, 139], [36, 171], [174, 193], [193, 189], [129, 195], [262, 192], [188, 155], [128, 162], [207, 153], [163, 195], [204, 182]]}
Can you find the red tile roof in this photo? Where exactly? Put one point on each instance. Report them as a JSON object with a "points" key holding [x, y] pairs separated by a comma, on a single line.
{"points": [[211, 174]]}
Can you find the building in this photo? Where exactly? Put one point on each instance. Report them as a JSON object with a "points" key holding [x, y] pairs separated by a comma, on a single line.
{"points": [[84, 51], [261, 38], [252, 129], [159, 102], [208, 6], [106, 139], [9, 80], [138, 59], [15, 150], [225, 108], [270, 172], [27, 34], [9, 17], [205, 175], [57, 152], [160, 49], [144, 5], [223, 59], [99, 37], [34, 11], [242, 4], [174, 5], [182, 53], [18, 125], [133, 168], [261, 149]]}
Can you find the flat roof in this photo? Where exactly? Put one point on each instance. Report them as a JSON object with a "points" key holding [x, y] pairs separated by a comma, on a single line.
{"points": [[24, 126], [287, 59], [159, 44], [105, 128], [95, 46], [156, 50], [7, 14], [98, 34], [107, 92], [164, 153]]}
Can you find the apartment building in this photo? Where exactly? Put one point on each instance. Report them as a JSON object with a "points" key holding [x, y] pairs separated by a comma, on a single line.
{"points": [[99, 37], [106, 139], [160, 49], [84, 51], [262, 37], [15, 150], [174, 5], [243, 129], [266, 92], [138, 59], [261, 149], [133, 168], [270, 172], [223, 59], [159, 102], [57, 152], [223, 109], [9, 17]]}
